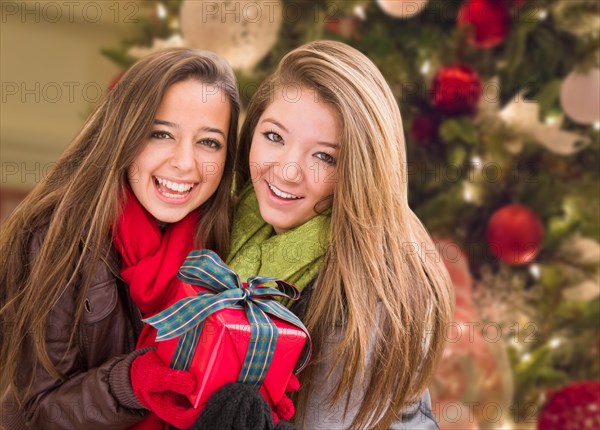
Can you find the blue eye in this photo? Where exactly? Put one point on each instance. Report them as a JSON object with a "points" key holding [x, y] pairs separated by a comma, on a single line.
{"points": [[159, 134], [273, 137], [325, 157]]}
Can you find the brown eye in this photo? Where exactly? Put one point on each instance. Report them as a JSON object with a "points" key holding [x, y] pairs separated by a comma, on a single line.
{"points": [[160, 135], [211, 143], [325, 157]]}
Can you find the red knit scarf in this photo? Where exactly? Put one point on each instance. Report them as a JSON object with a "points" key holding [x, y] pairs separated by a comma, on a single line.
{"points": [[151, 260]]}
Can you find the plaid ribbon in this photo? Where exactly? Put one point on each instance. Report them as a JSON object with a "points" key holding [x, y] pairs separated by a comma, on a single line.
{"points": [[186, 317]]}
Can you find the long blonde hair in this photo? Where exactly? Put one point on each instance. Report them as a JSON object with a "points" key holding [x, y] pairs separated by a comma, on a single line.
{"points": [[78, 202], [376, 263]]}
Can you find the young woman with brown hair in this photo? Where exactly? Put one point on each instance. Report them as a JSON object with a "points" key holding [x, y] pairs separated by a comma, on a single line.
{"points": [[94, 246], [322, 187]]}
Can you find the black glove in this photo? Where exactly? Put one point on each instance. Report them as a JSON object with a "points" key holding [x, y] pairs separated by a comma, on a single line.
{"points": [[238, 406]]}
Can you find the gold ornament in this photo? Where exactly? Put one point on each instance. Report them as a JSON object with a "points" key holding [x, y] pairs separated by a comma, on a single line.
{"points": [[241, 31], [402, 8]]}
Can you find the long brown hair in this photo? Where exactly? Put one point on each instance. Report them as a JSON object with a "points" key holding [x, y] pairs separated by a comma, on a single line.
{"points": [[78, 202], [375, 264]]}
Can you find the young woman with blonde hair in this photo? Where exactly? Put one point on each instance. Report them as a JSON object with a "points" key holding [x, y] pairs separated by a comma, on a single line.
{"points": [[322, 187], [94, 247]]}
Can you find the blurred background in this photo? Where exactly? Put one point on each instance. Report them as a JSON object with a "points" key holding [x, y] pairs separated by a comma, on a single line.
{"points": [[501, 107]]}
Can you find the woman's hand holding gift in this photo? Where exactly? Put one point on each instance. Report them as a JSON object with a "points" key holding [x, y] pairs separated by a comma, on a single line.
{"points": [[284, 410], [163, 390]]}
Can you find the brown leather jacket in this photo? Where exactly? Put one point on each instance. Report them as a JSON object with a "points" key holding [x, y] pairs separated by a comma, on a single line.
{"points": [[97, 392]]}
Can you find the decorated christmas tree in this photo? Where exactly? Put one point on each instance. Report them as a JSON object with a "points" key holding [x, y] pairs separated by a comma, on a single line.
{"points": [[501, 106]]}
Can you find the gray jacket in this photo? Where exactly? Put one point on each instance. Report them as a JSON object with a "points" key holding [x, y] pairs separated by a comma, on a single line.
{"points": [[318, 416]]}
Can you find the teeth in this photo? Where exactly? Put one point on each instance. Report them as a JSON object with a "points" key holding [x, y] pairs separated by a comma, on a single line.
{"points": [[174, 196], [174, 186], [281, 194]]}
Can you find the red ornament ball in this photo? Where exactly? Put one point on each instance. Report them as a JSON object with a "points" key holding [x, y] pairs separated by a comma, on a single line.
{"points": [[514, 234], [489, 21], [424, 128], [456, 90], [574, 407]]}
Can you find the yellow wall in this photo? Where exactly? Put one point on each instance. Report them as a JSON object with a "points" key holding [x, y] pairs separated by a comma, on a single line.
{"points": [[52, 76]]}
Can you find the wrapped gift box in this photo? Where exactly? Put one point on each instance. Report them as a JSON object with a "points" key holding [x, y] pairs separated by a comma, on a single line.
{"points": [[221, 349], [218, 353]]}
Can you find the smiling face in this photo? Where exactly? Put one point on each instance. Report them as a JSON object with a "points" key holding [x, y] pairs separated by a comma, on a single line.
{"points": [[292, 159], [182, 160]]}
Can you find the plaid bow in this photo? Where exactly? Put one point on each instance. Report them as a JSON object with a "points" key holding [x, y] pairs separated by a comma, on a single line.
{"points": [[186, 317]]}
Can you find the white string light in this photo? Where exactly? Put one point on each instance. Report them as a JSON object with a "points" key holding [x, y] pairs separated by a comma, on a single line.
{"points": [[555, 343], [551, 119], [467, 191], [535, 271], [359, 11], [161, 10]]}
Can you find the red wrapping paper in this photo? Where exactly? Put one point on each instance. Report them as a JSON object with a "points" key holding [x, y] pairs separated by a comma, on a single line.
{"points": [[221, 350]]}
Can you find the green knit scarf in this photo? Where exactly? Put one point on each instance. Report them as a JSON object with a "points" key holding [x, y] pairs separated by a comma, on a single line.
{"points": [[294, 256]]}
